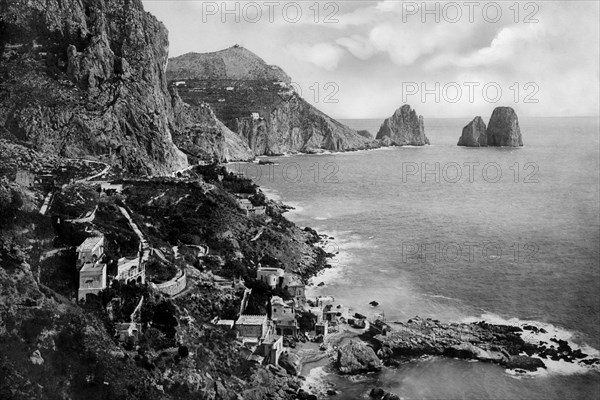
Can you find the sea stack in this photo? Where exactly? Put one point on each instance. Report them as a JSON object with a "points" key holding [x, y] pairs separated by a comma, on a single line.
{"points": [[503, 128], [405, 127], [474, 134]]}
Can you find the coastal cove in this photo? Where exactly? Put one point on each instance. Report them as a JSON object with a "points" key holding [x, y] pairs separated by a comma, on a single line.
{"points": [[376, 216]]}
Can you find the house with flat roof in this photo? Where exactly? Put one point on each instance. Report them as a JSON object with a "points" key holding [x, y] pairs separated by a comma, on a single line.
{"points": [[131, 270], [272, 347], [252, 326], [90, 251], [273, 277], [283, 314], [92, 279]]}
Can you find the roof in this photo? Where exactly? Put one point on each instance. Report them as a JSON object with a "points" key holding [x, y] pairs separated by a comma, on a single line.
{"points": [[276, 300], [90, 243], [226, 322], [92, 267], [270, 269], [252, 319]]}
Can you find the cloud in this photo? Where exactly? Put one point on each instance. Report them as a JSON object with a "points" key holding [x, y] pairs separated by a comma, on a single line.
{"points": [[359, 46], [323, 55]]}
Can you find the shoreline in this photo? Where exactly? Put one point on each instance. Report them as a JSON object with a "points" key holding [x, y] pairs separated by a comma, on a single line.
{"points": [[316, 366]]}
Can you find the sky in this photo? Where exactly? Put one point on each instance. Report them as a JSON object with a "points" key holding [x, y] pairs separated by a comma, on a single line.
{"points": [[364, 59]]}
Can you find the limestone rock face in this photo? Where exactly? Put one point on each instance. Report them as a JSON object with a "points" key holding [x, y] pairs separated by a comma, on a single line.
{"points": [[202, 136], [356, 357], [257, 101], [474, 134], [503, 128], [87, 78], [365, 133], [405, 127]]}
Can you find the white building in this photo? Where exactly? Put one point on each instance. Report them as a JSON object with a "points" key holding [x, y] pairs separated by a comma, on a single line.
{"points": [[273, 277], [90, 251], [92, 279]]}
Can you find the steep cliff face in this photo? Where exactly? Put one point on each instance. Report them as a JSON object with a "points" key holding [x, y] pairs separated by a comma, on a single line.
{"points": [[405, 127], [474, 134], [202, 136], [87, 77], [257, 101], [503, 128], [296, 126]]}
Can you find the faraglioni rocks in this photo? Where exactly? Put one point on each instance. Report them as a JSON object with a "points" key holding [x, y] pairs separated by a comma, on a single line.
{"points": [[474, 134], [403, 128], [503, 128]]}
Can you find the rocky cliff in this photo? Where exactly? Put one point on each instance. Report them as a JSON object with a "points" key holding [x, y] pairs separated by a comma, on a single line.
{"points": [[503, 128], [474, 134], [257, 101], [83, 77], [202, 136], [405, 127]]}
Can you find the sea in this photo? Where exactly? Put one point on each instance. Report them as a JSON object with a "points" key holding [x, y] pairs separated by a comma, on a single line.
{"points": [[505, 235]]}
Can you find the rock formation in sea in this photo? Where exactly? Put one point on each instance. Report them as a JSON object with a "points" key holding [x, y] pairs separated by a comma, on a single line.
{"points": [[356, 357], [258, 102], [405, 127], [474, 134], [500, 344], [503, 128], [83, 78]]}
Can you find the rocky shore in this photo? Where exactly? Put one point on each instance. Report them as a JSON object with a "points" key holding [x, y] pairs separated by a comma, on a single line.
{"points": [[499, 344]]}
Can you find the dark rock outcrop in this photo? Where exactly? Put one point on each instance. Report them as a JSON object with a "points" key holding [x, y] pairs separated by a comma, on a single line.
{"points": [[380, 394], [503, 128], [83, 78], [356, 357], [474, 134], [291, 363], [258, 102], [405, 127], [501, 344]]}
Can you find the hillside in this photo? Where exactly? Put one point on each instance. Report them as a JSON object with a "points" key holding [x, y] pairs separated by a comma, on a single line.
{"points": [[86, 78], [257, 101]]}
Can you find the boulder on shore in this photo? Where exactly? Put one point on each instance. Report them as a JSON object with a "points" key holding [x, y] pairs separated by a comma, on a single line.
{"points": [[474, 134], [503, 128], [380, 394], [405, 127], [356, 357]]}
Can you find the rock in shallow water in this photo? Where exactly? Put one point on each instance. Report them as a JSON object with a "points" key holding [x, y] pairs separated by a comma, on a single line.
{"points": [[356, 357]]}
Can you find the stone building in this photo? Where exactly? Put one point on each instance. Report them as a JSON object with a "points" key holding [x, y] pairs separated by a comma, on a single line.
{"points": [[252, 326]]}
